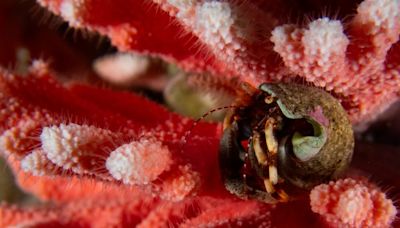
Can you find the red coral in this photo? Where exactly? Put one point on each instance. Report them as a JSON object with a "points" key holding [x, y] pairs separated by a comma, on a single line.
{"points": [[352, 203], [359, 64], [84, 150], [89, 150]]}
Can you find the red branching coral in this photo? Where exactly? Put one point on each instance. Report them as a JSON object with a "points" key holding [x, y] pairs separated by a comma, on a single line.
{"points": [[112, 159], [106, 147], [352, 203], [359, 63]]}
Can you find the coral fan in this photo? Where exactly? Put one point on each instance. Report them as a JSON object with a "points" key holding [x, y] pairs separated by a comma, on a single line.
{"points": [[105, 158]]}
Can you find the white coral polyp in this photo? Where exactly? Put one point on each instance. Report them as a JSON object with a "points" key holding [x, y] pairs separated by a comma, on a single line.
{"points": [[35, 163], [121, 68], [353, 206], [215, 20], [139, 162], [182, 5], [352, 203], [181, 186], [383, 13], [69, 10], [325, 38], [65, 144]]}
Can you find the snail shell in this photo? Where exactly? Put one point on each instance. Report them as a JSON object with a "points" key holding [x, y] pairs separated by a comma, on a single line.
{"points": [[302, 159]]}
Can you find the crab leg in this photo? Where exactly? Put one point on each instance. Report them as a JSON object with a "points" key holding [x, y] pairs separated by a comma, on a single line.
{"points": [[272, 145], [262, 159], [269, 186], [273, 174], [260, 155], [283, 195]]}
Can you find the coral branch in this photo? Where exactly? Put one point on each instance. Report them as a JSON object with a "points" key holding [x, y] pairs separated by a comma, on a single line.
{"points": [[79, 148], [143, 28], [353, 68], [118, 212], [38, 164], [136, 162], [317, 53], [352, 203], [113, 159], [230, 31], [71, 137], [233, 39]]}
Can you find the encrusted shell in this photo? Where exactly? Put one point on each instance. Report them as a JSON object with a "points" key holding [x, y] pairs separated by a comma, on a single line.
{"points": [[320, 155], [300, 101]]}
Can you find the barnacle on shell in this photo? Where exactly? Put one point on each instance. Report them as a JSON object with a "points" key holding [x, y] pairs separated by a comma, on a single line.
{"points": [[283, 138]]}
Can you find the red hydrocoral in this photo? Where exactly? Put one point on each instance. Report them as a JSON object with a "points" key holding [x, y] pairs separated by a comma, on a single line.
{"points": [[135, 25], [352, 203], [359, 64], [96, 141], [77, 133], [80, 184], [358, 67]]}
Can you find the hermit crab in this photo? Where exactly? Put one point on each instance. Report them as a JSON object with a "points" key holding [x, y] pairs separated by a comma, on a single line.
{"points": [[280, 139]]}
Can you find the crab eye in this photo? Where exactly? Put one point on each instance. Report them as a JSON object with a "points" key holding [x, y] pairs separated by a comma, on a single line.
{"points": [[297, 136]]}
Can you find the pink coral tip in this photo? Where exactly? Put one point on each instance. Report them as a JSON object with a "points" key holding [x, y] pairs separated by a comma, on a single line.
{"points": [[352, 203], [139, 162]]}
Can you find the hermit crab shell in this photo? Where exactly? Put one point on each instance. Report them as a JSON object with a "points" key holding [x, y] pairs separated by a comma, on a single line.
{"points": [[303, 160], [324, 112]]}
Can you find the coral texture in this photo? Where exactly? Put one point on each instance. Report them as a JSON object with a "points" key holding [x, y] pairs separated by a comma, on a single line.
{"points": [[359, 63], [114, 159], [100, 152], [352, 203]]}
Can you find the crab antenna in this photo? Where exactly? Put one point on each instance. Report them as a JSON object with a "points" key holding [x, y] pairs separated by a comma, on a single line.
{"points": [[194, 124]]}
